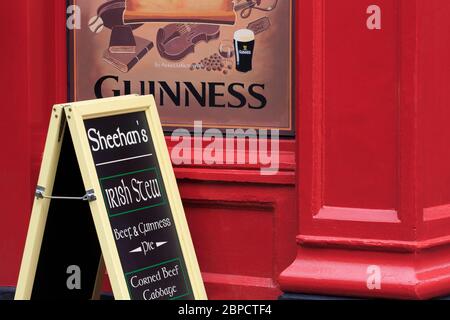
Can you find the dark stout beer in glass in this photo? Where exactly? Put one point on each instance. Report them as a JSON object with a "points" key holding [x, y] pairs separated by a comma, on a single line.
{"points": [[244, 44]]}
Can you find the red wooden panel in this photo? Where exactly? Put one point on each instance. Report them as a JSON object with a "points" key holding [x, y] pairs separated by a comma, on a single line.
{"points": [[46, 71], [14, 127], [33, 79], [235, 242], [360, 105], [242, 233], [434, 112], [374, 213], [352, 110]]}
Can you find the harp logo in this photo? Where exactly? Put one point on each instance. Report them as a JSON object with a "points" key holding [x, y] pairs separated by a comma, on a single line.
{"points": [[245, 50]]}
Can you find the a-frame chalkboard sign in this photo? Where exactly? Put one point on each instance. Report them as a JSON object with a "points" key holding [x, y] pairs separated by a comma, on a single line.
{"points": [[130, 219]]}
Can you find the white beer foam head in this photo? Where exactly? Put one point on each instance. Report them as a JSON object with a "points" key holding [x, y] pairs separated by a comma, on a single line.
{"points": [[244, 35]]}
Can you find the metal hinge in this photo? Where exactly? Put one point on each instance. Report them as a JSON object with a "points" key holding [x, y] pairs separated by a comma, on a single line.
{"points": [[89, 196]]}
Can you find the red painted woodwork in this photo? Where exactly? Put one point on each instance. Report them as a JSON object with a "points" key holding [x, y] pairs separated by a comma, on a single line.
{"points": [[374, 172], [243, 224], [14, 162], [32, 79], [373, 176]]}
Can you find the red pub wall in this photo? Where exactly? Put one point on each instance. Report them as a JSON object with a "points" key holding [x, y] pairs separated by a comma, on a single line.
{"points": [[373, 152], [370, 169], [33, 77], [243, 224]]}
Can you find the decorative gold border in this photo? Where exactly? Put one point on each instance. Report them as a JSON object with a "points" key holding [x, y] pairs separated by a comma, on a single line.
{"points": [[168, 125]]}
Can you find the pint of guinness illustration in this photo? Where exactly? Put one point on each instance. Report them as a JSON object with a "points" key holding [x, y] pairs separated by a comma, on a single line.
{"points": [[244, 44]]}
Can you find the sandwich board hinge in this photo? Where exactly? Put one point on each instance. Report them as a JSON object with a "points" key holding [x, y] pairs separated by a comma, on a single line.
{"points": [[89, 196]]}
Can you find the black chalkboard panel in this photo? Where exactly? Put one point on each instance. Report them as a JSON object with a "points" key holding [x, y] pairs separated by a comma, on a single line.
{"points": [[137, 206], [69, 239]]}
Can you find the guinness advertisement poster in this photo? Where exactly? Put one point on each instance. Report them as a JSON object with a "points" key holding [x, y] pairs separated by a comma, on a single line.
{"points": [[225, 63]]}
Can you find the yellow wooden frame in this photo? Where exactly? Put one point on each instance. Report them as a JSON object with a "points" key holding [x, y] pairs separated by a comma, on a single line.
{"points": [[40, 207], [39, 214], [76, 113]]}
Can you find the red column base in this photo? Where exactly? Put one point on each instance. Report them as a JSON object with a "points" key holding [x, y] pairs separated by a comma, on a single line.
{"points": [[407, 270]]}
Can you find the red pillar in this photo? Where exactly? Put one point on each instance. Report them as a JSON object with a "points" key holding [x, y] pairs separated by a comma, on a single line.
{"points": [[374, 150]]}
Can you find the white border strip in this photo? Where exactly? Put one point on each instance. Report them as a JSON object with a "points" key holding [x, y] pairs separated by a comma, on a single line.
{"points": [[123, 160]]}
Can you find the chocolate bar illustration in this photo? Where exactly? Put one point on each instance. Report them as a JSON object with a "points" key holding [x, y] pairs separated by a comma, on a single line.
{"points": [[124, 62]]}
